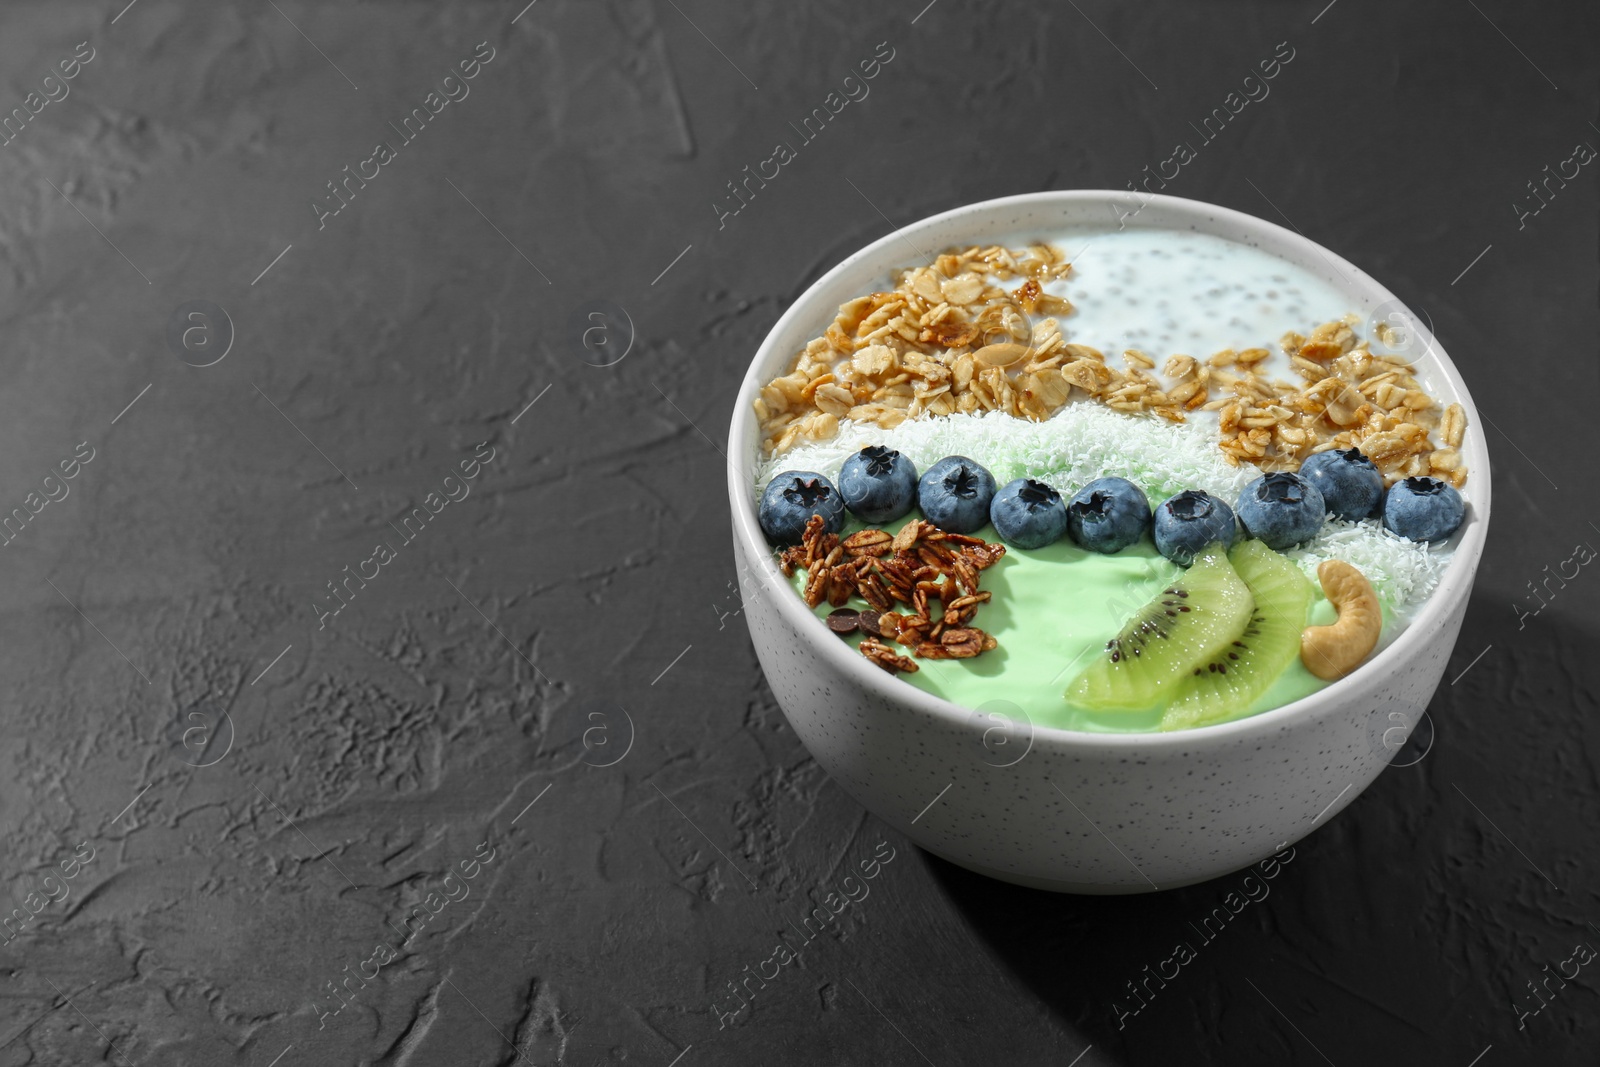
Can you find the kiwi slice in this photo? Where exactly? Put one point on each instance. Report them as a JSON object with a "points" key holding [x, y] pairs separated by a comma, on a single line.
{"points": [[1231, 680], [1186, 625]]}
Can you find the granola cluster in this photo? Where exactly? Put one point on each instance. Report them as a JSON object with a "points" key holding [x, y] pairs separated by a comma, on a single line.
{"points": [[918, 566], [1352, 398], [946, 338]]}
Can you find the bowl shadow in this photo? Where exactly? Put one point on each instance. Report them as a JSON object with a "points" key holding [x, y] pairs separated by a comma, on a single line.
{"points": [[1324, 927]]}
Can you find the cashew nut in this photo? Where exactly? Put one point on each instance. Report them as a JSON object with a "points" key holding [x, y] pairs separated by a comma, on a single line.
{"points": [[1331, 652]]}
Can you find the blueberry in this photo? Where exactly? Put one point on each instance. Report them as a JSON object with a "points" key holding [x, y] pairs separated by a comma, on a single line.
{"points": [[1108, 515], [1423, 509], [1281, 509], [1188, 522], [1351, 486], [1028, 514], [954, 495], [790, 500], [878, 484]]}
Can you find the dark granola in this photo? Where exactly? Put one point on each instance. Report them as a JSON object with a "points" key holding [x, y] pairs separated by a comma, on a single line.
{"points": [[934, 572]]}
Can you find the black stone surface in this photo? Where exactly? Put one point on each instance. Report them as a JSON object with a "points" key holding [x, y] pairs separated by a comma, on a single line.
{"points": [[550, 686]]}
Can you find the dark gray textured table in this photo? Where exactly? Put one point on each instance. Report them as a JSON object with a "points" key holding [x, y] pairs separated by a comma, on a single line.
{"points": [[525, 797]]}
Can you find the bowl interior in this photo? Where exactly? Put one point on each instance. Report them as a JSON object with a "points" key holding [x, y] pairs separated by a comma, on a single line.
{"points": [[1031, 215]]}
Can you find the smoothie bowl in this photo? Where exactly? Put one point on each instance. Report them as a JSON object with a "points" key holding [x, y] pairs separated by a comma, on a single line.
{"points": [[1103, 545]]}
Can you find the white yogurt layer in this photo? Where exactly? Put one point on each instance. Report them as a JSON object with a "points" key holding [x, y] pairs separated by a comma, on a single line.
{"points": [[1176, 291]]}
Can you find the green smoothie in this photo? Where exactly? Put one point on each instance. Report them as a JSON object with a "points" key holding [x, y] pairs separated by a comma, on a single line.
{"points": [[1052, 610]]}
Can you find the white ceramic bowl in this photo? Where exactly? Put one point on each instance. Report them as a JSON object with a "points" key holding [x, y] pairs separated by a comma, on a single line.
{"points": [[1085, 812]]}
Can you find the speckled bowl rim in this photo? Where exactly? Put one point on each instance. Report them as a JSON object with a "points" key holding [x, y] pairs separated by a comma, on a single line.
{"points": [[818, 302]]}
